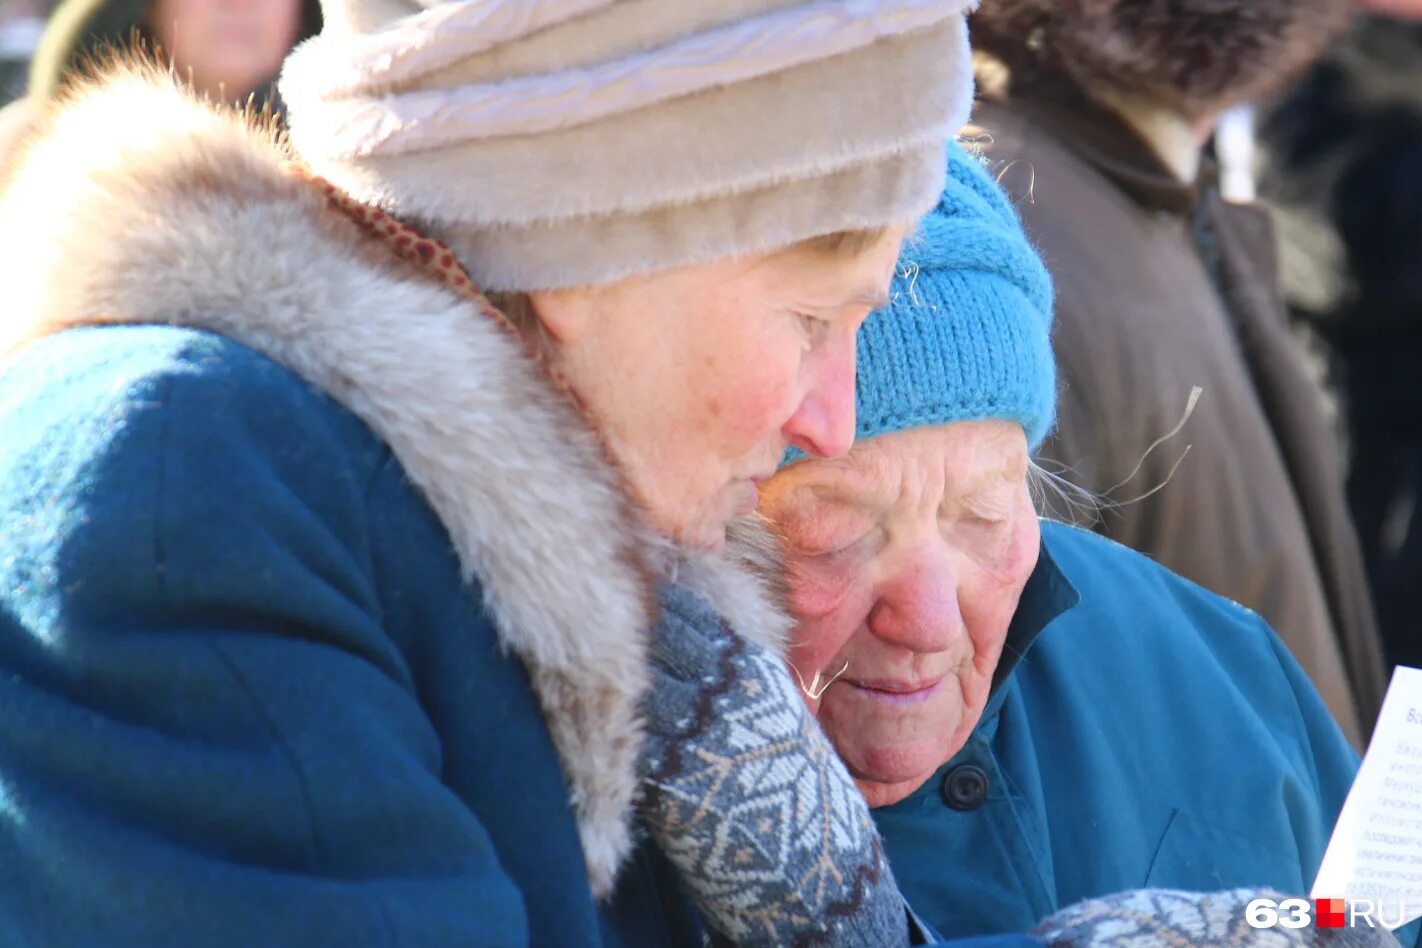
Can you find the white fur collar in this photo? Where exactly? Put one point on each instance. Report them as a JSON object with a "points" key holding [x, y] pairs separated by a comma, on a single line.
{"points": [[177, 212]]}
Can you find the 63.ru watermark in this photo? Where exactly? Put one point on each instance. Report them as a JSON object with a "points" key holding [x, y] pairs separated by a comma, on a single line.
{"points": [[1324, 913]]}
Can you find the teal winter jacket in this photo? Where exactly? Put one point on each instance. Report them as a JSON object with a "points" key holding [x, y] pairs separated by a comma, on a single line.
{"points": [[1142, 732]]}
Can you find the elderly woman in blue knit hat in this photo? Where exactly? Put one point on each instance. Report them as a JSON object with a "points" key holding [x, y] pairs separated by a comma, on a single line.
{"points": [[1038, 715]]}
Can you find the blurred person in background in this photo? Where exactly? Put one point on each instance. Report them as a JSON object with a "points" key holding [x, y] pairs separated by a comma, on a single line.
{"points": [[1402, 9], [228, 49], [21, 25], [1344, 165], [1095, 114]]}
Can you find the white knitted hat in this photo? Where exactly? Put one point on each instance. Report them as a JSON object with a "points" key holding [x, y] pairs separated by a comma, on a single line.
{"points": [[558, 143]]}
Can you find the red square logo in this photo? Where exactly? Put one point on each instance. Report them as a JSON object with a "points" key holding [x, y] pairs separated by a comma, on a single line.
{"points": [[1329, 913]]}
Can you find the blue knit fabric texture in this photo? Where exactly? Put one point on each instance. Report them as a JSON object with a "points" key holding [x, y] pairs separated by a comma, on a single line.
{"points": [[967, 333]]}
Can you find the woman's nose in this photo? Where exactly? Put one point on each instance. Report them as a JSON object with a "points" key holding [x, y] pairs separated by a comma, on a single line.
{"points": [[917, 605], [823, 426]]}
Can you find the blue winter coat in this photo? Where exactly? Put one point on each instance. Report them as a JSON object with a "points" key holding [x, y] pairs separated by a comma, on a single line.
{"points": [[246, 697], [1151, 734]]}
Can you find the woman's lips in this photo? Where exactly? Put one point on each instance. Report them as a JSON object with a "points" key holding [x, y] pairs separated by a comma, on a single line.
{"points": [[894, 692]]}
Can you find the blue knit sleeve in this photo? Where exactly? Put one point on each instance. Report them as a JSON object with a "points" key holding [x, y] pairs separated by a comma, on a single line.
{"points": [[205, 736]]}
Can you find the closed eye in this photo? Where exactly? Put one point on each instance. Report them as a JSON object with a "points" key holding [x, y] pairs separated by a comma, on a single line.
{"points": [[975, 520], [817, 587], [830, 549]]}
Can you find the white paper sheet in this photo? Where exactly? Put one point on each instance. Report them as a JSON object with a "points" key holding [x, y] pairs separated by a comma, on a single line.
{"points": [[1376, 850]]}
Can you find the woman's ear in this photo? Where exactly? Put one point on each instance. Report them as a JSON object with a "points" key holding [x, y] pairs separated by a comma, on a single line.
{"points": [[564, 314]]}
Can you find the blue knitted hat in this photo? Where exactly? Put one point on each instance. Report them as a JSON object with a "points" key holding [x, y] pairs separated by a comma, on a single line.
{"points": [[967, 334]]}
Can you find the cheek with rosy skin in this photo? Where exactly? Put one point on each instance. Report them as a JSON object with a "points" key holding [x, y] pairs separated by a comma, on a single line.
{"points": [[995, 584], [755, 410], [990, 593], [818, 588], [987, 606], [986, 617], [746, 393]]}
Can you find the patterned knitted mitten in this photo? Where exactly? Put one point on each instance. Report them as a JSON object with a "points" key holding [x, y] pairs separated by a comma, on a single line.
{"points": [[1167, 917], [747, 798]]}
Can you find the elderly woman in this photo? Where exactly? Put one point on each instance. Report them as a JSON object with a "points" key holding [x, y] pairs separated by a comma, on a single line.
{"points": [[329, 591], [1038, 715]]}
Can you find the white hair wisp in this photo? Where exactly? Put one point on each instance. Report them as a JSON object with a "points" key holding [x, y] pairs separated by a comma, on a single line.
{"points": [[814, 690]]}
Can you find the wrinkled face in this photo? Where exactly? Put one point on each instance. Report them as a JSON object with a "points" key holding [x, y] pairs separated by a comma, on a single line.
{"points": [[230, 47], [905, 562], [699, 378]]}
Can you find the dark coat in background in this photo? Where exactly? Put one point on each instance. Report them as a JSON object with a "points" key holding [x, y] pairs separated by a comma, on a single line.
{"points": [[1344, 164], [1162, 287]]}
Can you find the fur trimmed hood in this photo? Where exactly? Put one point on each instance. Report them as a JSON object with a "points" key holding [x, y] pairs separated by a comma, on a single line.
{"points": [[1195, 58], [187, 214]]}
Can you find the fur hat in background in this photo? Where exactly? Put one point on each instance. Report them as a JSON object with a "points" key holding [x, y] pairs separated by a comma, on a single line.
{"points": [[1196, 58], [557, 143]]}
